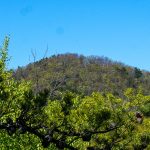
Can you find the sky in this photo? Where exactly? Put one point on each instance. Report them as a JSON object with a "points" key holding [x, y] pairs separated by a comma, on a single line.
{"points": [[118, 29]]}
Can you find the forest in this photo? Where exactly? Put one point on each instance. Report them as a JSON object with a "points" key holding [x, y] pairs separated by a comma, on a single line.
{"points": [[73, 102]]}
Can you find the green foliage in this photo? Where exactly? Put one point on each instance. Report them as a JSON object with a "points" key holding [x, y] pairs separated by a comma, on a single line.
{"points": [[146, 109], [138, 73]]}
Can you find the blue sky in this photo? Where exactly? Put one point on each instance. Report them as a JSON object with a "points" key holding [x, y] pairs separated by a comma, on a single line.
{"points": [[118, 29]]}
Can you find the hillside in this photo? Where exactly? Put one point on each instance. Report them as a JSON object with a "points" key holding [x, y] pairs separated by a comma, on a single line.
{"points": [[83, 75]]}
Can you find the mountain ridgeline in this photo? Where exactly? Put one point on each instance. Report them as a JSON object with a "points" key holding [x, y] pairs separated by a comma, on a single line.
{"points": [[83, 75]]}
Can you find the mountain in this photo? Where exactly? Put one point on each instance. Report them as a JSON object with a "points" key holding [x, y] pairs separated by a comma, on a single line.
{"points": [[83, 75]]}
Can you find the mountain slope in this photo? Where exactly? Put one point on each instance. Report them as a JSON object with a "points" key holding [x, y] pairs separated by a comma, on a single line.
{"points": [[83, 75]]}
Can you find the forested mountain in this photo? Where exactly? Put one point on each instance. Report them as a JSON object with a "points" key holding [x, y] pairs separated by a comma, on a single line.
{"points": [[83, 75], [59, 112]]}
